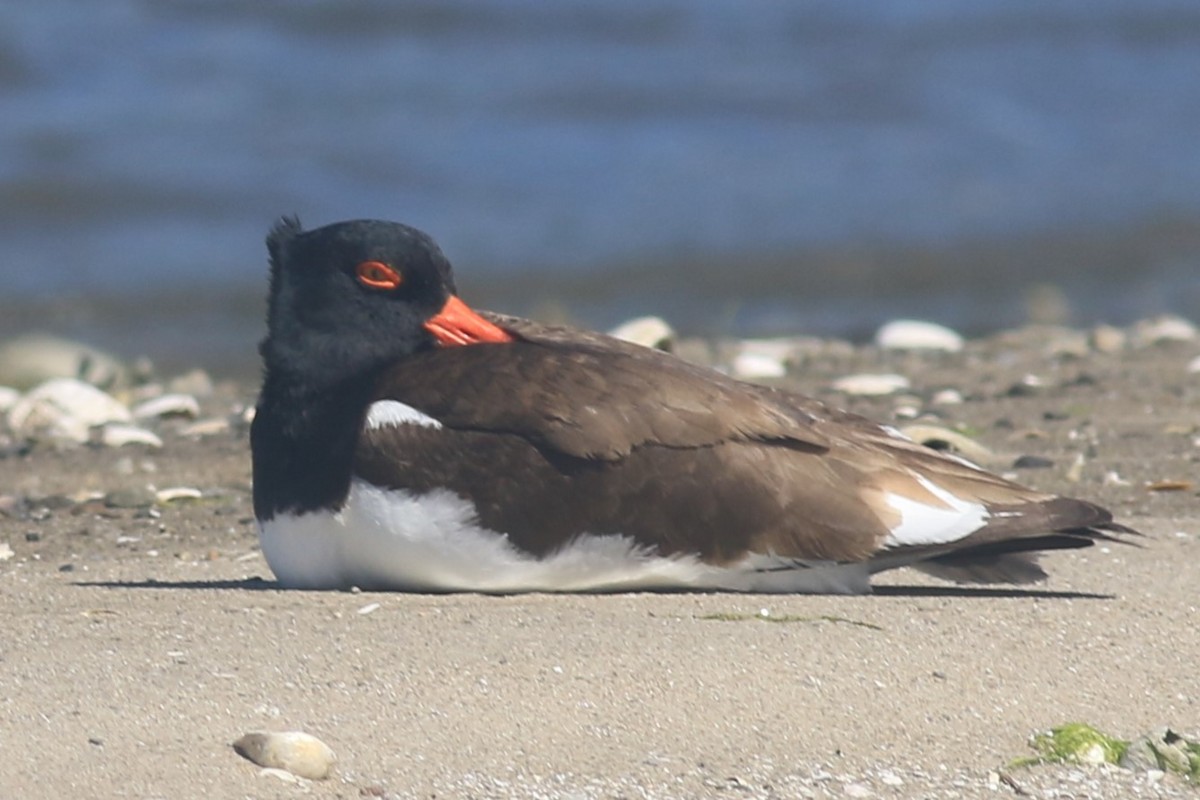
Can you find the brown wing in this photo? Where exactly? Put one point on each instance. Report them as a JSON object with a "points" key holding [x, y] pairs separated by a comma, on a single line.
{"points": [[591, 396]]}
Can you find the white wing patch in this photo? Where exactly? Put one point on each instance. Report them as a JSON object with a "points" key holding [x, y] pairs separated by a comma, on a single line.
{"points": [[393, 412], [433, 542], [923, 524]]}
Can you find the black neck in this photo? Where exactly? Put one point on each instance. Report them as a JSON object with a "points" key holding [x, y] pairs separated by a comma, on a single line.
{"points": [[303, 443]]}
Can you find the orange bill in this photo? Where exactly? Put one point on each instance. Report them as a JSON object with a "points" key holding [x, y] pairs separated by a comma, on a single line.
{"points": [[456, 324]]}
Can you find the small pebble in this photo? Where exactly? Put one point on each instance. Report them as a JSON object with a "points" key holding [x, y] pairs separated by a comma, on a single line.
{"points": [[1107, 339], [1194, 365], [871, 385], [129, 498], [909, 334], [297, 752], [947, 397], [647, 331], [757, 365], [1032, 462], [6, 551], [167, 405]]}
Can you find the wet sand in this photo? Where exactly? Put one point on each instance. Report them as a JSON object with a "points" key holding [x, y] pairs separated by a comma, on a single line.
{"points": [[139, 643]]}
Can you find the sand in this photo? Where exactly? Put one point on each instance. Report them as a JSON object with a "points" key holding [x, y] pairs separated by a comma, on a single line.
{"points": [[139, 644]]}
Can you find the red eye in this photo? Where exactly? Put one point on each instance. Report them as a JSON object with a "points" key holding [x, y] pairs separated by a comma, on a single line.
{"points": [[377, 275]]}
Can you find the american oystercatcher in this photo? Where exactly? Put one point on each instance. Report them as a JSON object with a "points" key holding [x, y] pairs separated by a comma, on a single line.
{"points": [[404, 441]]}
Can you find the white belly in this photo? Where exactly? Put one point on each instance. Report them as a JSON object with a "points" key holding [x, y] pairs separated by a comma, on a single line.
{"points": [[392, 540]]}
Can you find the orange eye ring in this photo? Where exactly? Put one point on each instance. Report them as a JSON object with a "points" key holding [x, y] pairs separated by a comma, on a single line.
{"points": [[377, 275]]}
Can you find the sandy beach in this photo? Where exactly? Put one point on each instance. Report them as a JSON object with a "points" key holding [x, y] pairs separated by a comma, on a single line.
{"points": [[141, 638]]}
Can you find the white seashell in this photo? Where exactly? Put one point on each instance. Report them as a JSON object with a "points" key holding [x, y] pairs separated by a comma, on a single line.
{"points": [[757, 365], [870, 384], [173, 493], [8, 398], [646, 331], [65, 408], [205, 427], [1167, 328], [911, 334], [121, 435], [295, 751], [167, 405]]}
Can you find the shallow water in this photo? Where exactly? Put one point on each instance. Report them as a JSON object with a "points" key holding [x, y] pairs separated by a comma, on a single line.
{"points": [[744, 167]]}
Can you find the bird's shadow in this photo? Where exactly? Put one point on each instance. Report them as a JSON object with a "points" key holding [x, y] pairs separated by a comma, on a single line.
{"points": [[257, 584]]}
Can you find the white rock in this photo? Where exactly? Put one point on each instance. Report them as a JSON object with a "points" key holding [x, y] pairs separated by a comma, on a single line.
{"points": [[911, 334], [1107, 339], [295, 751], [1167, 328], [1194, 365], [871, 384], [6, 551], [646, 331], [168, 405], [65, 408], [120, 435]]}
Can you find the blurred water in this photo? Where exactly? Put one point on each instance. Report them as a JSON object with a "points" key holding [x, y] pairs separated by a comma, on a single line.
{"points": [[745, 166]]}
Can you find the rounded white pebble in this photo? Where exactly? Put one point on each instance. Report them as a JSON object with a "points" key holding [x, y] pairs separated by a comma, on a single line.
{"points": [[646, 331], [947, 397], [757, 365], [295, 751], [871, 384], [911, 334], [168, 405]]}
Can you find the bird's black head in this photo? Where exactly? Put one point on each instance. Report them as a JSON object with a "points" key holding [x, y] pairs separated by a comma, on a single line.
{"points": [[348, 298]]}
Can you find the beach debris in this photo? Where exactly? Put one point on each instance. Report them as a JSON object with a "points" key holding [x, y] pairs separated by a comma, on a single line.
{"points": [[65, 408], [167, 405], [647, 331], [121, 435], [762, 358], [942, 438], [1163, 749], [29, 360], [6, 551], [1165, 328], [911, 334], [1077, 743], [1108, 339], [175, 493], [871, 384], [1169, 485], [296, 752]]}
